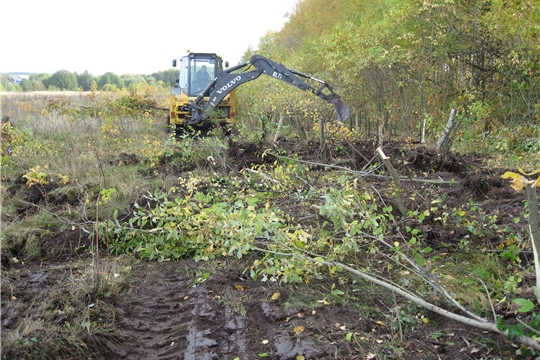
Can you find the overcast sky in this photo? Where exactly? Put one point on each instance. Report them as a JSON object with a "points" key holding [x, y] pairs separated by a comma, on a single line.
{"points": [[129, 37]]}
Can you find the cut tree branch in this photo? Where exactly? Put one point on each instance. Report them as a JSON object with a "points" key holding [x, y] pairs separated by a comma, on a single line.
{"points": [[368, 173], [426, 305], [480, 324]]}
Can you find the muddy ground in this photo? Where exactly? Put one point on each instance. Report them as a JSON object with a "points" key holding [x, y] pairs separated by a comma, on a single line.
{"points": [[170, 310]]}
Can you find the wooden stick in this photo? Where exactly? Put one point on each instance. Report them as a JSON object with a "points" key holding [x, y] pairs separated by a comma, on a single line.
{"points": [[278, 131], [397, 181], [535, 234]]}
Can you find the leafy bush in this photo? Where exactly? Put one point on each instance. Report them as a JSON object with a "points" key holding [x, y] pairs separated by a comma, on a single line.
{"points": [[194, 224]]}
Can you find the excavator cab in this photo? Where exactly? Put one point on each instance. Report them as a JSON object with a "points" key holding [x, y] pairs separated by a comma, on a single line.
{"points": [[197, 71]]}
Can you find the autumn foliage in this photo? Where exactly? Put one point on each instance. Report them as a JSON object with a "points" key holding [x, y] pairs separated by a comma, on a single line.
{"points": [[405, 64]]}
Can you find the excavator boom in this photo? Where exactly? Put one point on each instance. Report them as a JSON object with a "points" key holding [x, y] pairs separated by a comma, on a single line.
{"points": [[229, 79]]}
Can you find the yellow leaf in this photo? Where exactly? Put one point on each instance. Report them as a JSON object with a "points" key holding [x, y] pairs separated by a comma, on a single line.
{"points": [[275, 296], [528, 174], [510, 175], [518, 183], [299, 329], [381, 323]]}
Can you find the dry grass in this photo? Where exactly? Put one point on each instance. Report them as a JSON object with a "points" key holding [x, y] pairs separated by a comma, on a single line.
{"points": [[70, 309]]}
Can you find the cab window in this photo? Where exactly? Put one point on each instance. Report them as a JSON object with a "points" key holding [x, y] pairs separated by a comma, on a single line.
{"points": [[202, 73]]}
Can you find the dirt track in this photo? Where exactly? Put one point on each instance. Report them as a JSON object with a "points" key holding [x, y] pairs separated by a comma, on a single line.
{"points": [[171, 318], [167, 317]]}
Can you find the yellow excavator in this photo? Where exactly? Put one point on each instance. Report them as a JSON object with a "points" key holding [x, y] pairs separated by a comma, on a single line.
{"points": [[205, 95]]}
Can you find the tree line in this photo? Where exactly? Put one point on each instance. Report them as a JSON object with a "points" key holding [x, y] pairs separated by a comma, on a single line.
{"points": [[72, 81], [409, 62]]}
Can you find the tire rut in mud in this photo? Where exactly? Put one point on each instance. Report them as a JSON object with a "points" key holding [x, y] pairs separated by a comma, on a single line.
{"points": [[169, 317], [163, 322]]}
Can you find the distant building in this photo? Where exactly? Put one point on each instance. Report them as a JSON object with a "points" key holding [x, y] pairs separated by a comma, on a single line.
{"points": [[15, 79]]}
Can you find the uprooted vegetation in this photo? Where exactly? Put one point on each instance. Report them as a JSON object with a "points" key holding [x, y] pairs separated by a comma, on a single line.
{"points": [[147, 246]]}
